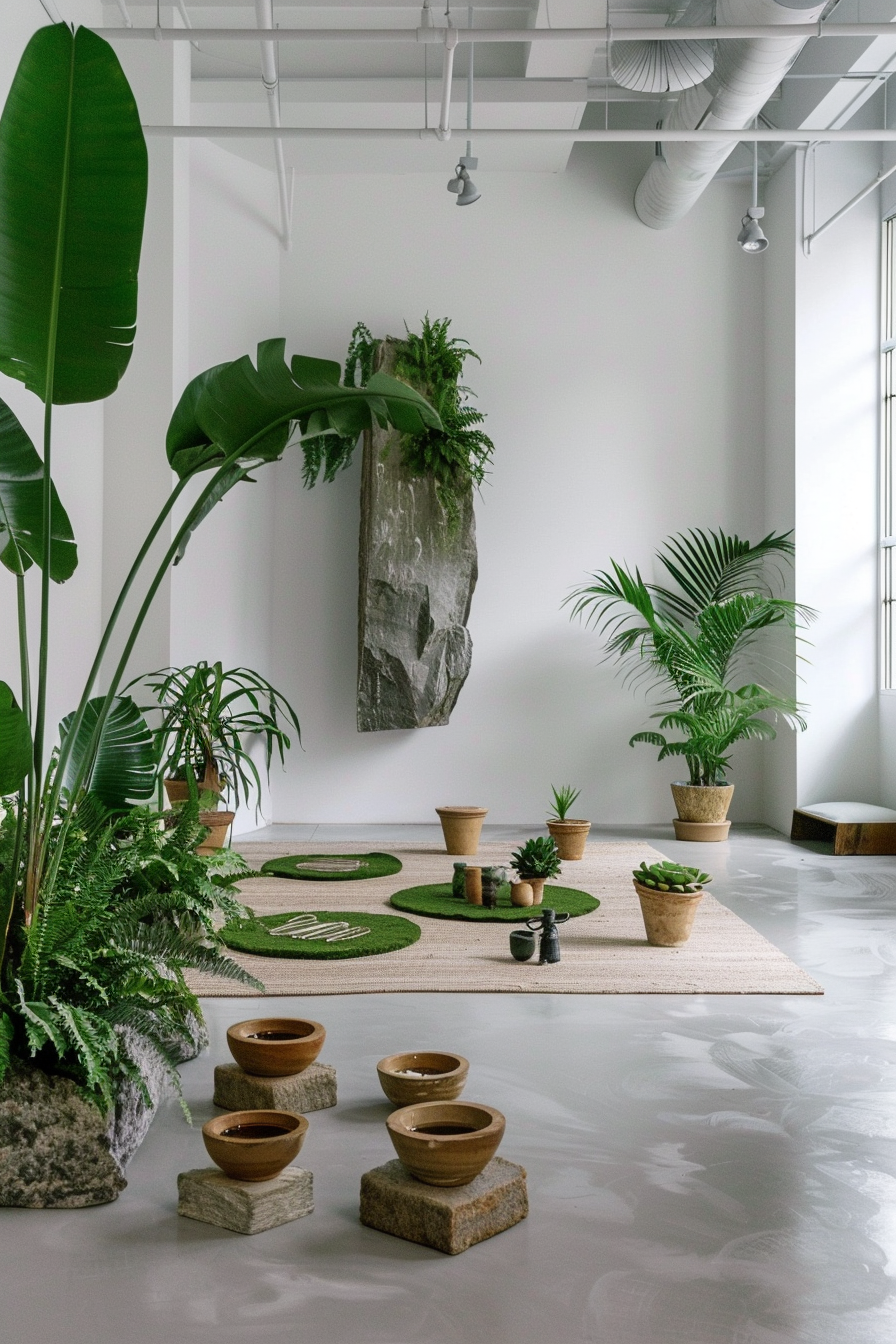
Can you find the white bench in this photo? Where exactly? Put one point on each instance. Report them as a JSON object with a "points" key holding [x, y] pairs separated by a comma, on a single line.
{"points": [[854, 828]]}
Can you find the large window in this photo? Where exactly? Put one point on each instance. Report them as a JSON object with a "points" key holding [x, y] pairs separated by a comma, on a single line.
{"points": [[888, 453]]}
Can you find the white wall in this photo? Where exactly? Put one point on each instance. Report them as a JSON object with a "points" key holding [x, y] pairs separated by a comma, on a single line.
{"points": [[622, 393]]}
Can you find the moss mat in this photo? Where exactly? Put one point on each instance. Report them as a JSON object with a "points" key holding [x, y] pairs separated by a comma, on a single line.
{"points": [[369, 865], [438, 900], [387, 934]]}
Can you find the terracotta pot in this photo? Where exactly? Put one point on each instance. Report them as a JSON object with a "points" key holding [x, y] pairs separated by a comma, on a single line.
{"points": [[473, 884], [275, 1047], [446, 1142], [178, 790], [218, 824], [668, 915], [521, 893], [570, 837], [462, 827], [701, 830], [254, 1155], [444, 1076], [702, 802], [537, 885]]}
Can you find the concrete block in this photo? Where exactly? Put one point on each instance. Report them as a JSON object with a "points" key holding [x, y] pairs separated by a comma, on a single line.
{"points": [[449, 1219], [209, 1196], [313, 1090]]}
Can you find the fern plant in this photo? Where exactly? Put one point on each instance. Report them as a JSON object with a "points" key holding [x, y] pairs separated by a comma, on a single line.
{"points": [[100, 971]]}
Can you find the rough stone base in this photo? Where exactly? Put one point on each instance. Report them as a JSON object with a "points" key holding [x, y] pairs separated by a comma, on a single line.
{"points": [[209, 1196], [448, 1219], [313, 1090]]}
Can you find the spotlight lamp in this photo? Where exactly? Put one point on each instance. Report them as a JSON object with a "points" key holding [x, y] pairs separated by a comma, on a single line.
{"points": [[751, 238], [462, 184]]}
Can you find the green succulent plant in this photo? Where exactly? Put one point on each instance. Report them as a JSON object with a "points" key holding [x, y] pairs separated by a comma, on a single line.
{"points": [[564, 797], [538, 857], [668, 876]]}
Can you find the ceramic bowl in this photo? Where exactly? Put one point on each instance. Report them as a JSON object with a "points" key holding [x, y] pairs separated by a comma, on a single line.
{"points": [[275, 1047], [444, 1076], [446, 1142], [254, 1145]]}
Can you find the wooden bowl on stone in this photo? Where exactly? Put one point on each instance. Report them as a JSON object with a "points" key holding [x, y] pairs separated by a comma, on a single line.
{"points": [[446, 1143], [422, 1075], [275, 1047], [254, 1145]]}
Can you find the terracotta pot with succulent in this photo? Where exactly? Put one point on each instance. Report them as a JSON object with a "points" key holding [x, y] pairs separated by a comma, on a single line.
{"points": [[535, 862], [695, 643], [207, 715], [669, 894], [101, 912], [570, 834]]}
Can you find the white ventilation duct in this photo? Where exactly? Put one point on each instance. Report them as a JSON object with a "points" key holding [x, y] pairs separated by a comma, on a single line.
{"points": [[746, 74], [666, 67]]}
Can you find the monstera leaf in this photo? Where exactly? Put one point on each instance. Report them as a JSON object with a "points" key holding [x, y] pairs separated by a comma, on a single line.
{"points": [[21, 509], [125, 764], [241, 406], [15, 743], [73, 170]]}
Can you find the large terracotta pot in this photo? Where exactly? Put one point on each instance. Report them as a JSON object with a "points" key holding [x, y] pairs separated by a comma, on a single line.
{"points": [[702, 811], [462, 827], [569, 837], [668, 915]]}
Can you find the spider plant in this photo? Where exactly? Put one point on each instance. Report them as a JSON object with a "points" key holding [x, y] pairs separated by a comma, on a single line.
{"points": [[694, 642]]}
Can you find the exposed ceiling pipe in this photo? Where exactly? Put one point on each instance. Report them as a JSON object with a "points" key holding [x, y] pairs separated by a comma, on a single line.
{"points": [[444, 128], [264, 13], [746, 74], [614, 135], [123, 11]]}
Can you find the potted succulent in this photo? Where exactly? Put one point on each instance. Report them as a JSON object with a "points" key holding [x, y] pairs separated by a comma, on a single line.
{"points": [[569, 833], [535, 862], [669, 894], [692, 641], [207, 714]]}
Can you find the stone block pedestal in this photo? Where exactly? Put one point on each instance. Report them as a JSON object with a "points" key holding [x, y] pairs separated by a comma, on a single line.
{"points": [[449, 1219], [209, 1196], [313, 1090]]}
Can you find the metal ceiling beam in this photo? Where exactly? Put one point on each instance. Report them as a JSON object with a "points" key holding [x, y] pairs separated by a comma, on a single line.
{"points": [[613, 135]]}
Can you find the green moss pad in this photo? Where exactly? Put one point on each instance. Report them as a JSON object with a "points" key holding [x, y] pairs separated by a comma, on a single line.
{"points": [[438, 900], [387, 934], [369, 865]]}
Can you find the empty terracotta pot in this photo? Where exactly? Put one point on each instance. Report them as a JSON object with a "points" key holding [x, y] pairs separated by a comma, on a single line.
{"points": [[462, 827], [275, 1047], [254, 1145], [422, 1075], [668, 915], [473, 884], [570, 837], [446, 1142]]}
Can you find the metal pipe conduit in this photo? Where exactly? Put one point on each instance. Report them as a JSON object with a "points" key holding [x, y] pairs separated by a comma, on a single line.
{"points": [[613, 136], [723, 33]]}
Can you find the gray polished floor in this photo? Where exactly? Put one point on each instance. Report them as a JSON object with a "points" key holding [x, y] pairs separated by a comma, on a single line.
{"points": [[702, 1170]]}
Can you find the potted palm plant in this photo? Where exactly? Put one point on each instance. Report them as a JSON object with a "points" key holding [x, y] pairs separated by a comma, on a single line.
{"points": [[535, 862], [570, 833], [207, 714], [695, 642]]}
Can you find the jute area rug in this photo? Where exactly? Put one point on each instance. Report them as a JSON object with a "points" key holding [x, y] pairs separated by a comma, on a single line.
{"points": [[604, 952]]}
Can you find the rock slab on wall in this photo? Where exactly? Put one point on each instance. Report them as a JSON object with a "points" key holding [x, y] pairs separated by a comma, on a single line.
{"points": [[416, 582]]}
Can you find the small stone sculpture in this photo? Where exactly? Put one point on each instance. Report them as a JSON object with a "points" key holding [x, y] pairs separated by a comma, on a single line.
{"points": [[492, 879], [458, 887], [549, 945]]}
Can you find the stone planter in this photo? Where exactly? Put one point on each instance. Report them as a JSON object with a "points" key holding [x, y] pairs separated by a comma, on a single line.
{"points": [[668, 915], [462, 827], [569, 837], [702, 811]]}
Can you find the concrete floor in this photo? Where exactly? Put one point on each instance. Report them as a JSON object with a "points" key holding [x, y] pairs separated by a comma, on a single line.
{"points": [[702, 1170]]}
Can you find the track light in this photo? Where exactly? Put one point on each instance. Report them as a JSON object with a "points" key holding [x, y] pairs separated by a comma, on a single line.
{"points": [[462, 183], [751, 237]]}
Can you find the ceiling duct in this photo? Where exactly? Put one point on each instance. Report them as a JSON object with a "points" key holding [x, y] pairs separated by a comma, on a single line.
{"points": [[666, 67], [746, 74]]}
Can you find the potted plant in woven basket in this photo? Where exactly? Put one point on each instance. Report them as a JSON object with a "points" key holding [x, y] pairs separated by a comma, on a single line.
{"points": [[669, 894], [570, 833], [535, 862]]}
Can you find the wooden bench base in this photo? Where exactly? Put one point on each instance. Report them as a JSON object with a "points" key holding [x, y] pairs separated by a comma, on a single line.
{"points": [[848, 837]]}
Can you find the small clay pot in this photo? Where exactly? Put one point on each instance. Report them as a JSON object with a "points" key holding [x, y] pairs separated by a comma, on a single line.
{"points": [[473, 884], [462, 827], [444, 1076], [522, 944], [275, 1047], [668, 915], [260, 1145], [446, 1142], [569, 837], [521, 894], [218, 824], [537, 885]]}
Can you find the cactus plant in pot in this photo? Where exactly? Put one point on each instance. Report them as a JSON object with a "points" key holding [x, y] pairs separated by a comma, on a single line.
{"points": [[695, 643], [570, 833], [535, 862], [669, 894]]}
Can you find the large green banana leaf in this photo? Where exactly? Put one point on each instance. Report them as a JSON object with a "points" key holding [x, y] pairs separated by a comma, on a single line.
{"points": [[73, 171], [15, 743], [238, 404], [125, 763], [21, 507]]}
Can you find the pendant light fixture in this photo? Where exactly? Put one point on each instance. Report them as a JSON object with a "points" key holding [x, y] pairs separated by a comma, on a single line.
{"points": [[751, 238], [462, 184]]}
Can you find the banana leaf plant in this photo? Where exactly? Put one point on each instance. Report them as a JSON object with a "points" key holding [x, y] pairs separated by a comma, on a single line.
{"points": [[694, 642], [73, 183]]}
